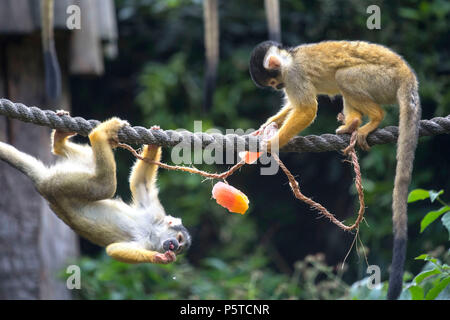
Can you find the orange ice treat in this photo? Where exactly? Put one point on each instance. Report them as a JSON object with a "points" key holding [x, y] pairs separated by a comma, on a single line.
{"points": [[249, 157], [230, 198]]}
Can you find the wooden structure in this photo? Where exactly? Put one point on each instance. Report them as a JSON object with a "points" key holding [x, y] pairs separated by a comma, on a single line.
{"points": [[34, 244]]}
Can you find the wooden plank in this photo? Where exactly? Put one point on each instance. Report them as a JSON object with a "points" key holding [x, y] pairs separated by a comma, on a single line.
{"points": [[16, 17], [107, 23], [98, 21], [86, 50], [106, 17], [23, 16]]}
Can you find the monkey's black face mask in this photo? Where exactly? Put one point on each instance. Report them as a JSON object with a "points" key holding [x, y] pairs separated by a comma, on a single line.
{"points": [[261, 76], [280, 86], [180, 243], [258, 73]]}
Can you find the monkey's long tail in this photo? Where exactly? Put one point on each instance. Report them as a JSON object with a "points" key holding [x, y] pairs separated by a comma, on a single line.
{"points": [[30, 166], [410, 113]]}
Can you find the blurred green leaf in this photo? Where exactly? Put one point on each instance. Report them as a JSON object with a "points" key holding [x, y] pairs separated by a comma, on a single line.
{"points": [[434, 194], [434, 292], [446, 222], [425, 274], [409, 13], [416, 292], [422, 257], [216, 263], [418, 194], [432, 216]]}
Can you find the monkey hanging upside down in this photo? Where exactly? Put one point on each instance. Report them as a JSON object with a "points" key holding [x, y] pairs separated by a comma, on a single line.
{"points": [[81, 187]]}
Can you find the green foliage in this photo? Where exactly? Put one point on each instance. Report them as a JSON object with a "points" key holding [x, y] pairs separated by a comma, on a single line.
{"points": [[247, 278], [446, 222], [434, 279], [421, 194], [432, 282], [431, 216], [360, 290]]}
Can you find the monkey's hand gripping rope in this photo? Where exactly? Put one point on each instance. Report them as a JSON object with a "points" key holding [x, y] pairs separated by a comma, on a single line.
{"points": [[169, 138]]}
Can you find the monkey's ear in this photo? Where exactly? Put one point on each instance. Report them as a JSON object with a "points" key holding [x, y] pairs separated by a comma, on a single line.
{"points": [[272, 62]]}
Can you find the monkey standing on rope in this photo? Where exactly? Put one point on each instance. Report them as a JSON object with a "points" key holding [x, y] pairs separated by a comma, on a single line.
{"points": [[80, 188], [366, 75]]}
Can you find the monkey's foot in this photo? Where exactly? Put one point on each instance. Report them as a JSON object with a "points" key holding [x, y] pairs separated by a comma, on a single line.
{"points": [[344, 129], [348, 127], [62, 113], [362, 141], [108, 130], [340, 117], [58, 134], [152, 152]]}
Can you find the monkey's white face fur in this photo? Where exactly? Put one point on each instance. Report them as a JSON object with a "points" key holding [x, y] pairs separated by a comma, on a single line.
{"points": [[160, 231], [277, 59]]}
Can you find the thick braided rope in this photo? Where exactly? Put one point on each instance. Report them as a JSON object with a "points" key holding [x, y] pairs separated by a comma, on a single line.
{"points": [[170, 138]]}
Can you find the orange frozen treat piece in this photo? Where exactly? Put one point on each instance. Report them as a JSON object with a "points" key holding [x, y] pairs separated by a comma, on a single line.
{"points": [[249, 157], [230, 197]]}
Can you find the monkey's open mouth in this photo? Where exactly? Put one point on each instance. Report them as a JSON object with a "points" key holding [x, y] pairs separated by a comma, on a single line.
{"points": [[170, 244]]}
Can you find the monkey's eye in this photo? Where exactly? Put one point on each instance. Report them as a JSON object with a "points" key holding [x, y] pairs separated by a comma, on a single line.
{"points": [[273, 82], [180, 238]]}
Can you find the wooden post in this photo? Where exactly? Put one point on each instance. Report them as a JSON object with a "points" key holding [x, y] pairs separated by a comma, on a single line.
{"points": [[34, 243]]}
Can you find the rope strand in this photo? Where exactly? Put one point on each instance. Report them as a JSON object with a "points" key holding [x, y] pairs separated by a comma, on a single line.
{"points": [[205, 174], [170, 138], [351, 152]]}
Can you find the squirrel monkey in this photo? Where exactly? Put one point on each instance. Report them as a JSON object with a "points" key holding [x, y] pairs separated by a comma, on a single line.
{"points": [[80, 190], [366, 75]]}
